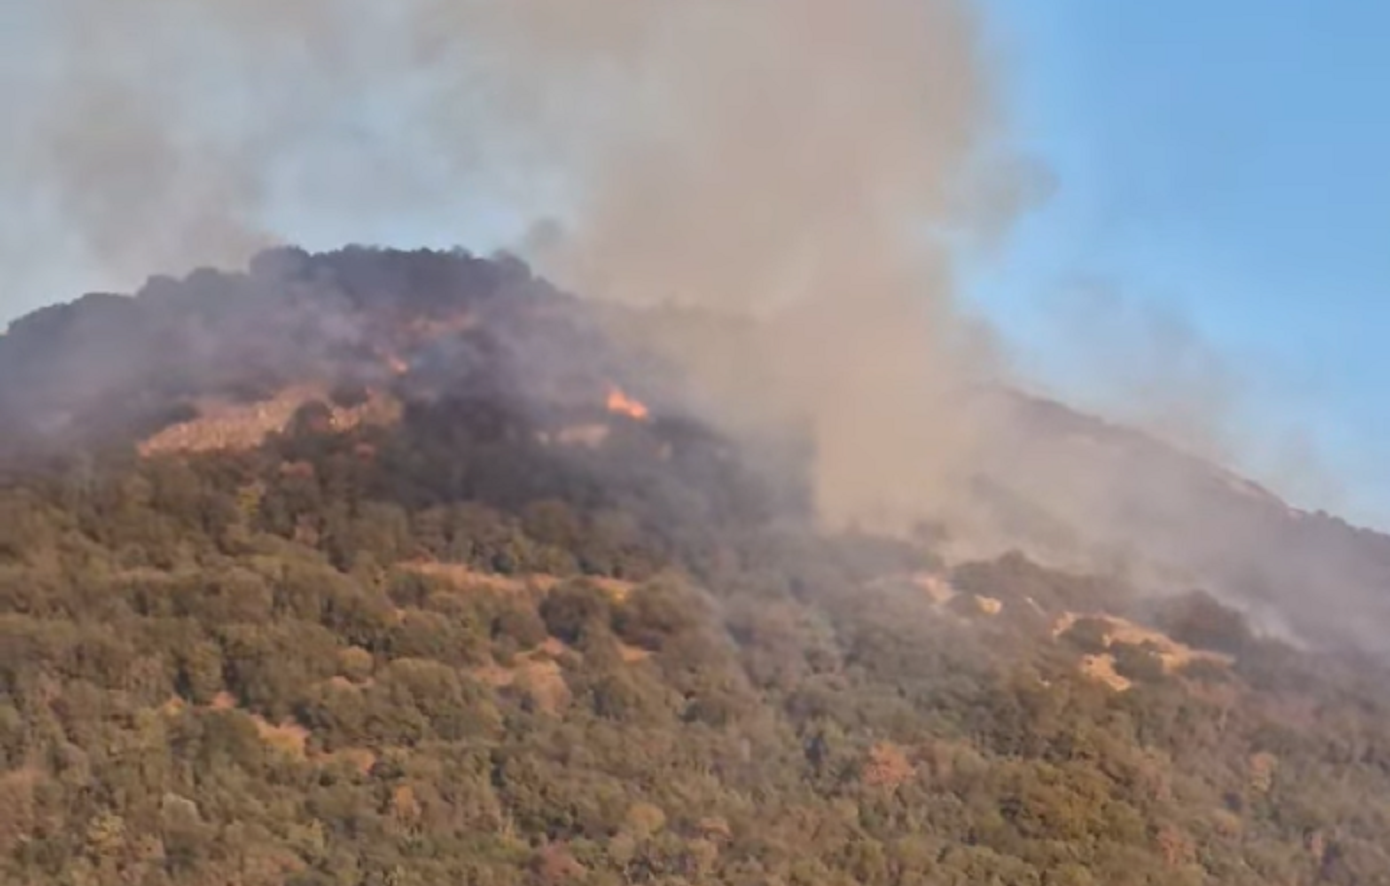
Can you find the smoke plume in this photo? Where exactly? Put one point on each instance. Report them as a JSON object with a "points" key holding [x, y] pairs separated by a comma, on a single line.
{"points": [[797, 158], [799, 162], [780, 183]]}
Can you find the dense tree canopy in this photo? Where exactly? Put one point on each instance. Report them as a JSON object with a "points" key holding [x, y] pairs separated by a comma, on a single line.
{"points": [[445, 651]]}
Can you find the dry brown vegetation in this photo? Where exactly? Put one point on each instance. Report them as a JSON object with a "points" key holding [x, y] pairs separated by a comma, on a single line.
{"points": [[989, 605], [935, 586], [887, 766], [1174, 655], [465, 578], [225, 425], [1102, 668], [536, 674]]}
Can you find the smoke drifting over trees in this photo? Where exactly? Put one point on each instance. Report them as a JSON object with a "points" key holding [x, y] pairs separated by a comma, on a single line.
{"points": [[404, 567], [797, 162], [775, 155]]}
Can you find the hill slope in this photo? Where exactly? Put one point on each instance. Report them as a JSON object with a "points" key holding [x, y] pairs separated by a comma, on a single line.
{"points": [[1127, 497], [418, 578], [415, 326]]}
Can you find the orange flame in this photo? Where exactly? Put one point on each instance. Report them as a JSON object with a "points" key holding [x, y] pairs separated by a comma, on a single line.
{"points": [[621, 404], [392, 360]]}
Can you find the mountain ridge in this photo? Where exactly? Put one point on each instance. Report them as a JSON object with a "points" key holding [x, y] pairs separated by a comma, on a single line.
{"points": [[544, 623], [418, 323]]}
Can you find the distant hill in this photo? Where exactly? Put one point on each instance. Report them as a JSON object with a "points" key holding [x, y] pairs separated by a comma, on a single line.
{"points": [[1309, 576]]}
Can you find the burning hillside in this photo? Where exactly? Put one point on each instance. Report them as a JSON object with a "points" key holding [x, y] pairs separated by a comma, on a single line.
{"points": [[222, 359], [403, 568], [374, 576], [415, 326]]}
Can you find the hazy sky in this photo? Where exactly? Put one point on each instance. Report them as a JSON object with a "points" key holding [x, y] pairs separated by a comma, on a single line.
{"points": [[1222, 165], [1220, 225]]}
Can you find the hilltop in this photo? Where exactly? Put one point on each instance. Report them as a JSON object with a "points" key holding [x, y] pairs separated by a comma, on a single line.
{"points": [[372, 567], [226, 356]]}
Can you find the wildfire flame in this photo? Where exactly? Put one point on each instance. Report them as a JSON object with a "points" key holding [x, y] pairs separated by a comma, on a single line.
{"points": [[392, 361], [620, 403]]}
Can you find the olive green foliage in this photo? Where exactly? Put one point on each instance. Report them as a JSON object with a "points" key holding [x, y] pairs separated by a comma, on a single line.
{"points": [[194, 689], [446, 652]]}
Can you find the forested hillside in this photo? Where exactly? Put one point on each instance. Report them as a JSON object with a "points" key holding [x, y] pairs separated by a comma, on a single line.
{"points": [[389, 569]]}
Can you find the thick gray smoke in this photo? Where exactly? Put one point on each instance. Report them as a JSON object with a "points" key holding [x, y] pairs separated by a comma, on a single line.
{"points": [[798, 157], [804, 162]]}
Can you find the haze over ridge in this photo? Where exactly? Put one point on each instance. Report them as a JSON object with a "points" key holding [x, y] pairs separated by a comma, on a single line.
{"points": [[685, 151]]}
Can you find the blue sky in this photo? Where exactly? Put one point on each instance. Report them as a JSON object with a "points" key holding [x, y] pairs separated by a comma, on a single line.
{"points": [[1223, 165]]}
